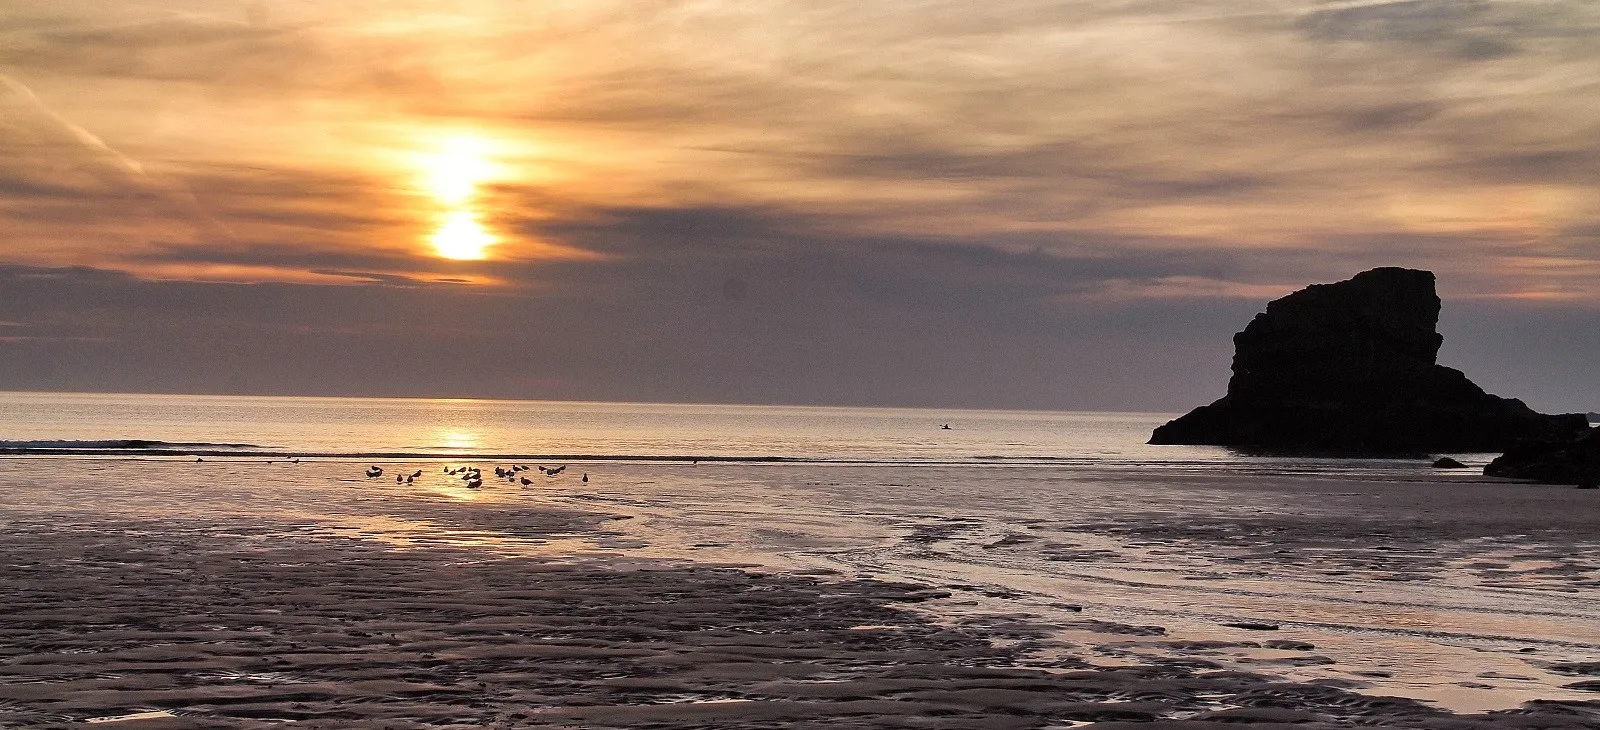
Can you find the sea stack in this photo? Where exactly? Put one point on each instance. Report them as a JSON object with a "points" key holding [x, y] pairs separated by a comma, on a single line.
{"points": [[1351, 368]]}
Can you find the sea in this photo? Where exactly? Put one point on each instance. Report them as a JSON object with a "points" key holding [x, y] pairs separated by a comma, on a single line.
{"points": [[423, 428], [1383, 575]]}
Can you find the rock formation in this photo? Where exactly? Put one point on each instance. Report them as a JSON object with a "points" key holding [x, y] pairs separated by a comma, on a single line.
{"points": [[1350, 368], [1575, 461]]}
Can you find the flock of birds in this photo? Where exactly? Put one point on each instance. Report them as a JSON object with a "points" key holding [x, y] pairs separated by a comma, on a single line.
{"points": [[473, 476]]}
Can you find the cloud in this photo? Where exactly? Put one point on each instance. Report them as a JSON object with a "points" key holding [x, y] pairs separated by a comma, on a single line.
{"points": [[163, 47], [793, 337], [1161, 118], [1401, 21]]}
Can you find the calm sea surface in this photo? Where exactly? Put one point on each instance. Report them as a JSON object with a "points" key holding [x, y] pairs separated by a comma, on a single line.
{"points": [[423, 427]]}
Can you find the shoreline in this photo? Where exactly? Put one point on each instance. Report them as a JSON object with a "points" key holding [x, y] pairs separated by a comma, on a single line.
{"points": [[415, 456]]}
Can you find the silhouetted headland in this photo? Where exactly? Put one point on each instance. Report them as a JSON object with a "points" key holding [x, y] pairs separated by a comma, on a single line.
{"points": [[1351, 367]]}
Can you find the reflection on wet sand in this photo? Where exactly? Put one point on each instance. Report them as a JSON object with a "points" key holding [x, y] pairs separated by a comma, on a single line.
{"points": [[1386, 595]]}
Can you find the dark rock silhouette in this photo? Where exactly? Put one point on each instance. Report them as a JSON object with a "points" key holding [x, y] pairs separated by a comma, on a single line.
{"points": [[1446, 462], [1350, 368], [1574, 461]]}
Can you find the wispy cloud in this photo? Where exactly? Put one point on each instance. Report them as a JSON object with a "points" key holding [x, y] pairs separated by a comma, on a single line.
{"points": [[1244, 124]]}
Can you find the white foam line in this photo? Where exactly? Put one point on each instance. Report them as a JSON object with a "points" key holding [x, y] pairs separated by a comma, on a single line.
{"points": [[148, 715]]}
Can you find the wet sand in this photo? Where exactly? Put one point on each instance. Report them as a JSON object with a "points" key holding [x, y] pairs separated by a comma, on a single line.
{"points": [[195, 625], [1436, 586], [150, 608]]}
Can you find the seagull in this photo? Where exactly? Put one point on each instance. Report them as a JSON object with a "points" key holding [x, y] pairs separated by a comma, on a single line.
{"points": [[474, 484], [526, 481], [417, 475], [586, 477]]}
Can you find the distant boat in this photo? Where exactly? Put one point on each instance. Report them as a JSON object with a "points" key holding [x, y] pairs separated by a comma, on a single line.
{"points": [[944, 427]]}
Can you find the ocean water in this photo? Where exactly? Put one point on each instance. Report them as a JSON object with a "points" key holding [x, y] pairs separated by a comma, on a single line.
{"points": [[1405, 580], [551, 429], [475, 427]]}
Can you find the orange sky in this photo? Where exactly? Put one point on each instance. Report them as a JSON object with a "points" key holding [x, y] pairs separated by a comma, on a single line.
{"points": [[1149, 152]]}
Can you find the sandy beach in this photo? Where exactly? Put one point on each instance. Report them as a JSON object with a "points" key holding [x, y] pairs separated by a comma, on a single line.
{"points": [[157, 594]]}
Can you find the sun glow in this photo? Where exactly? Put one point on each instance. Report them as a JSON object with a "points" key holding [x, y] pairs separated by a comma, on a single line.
{"points": [[455, 171], [452, 176]]}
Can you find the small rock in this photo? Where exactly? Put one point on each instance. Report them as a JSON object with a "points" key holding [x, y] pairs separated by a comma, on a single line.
{"points": [[1552, 462], [1252, 625], [1446, 462]]}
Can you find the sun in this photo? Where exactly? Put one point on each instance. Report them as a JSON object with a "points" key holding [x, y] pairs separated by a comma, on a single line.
{"points": [[460, 236], [452, 175]]}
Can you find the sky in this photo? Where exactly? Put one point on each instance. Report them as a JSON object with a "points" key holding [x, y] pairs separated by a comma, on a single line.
{"points": [[1066, 204]]}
